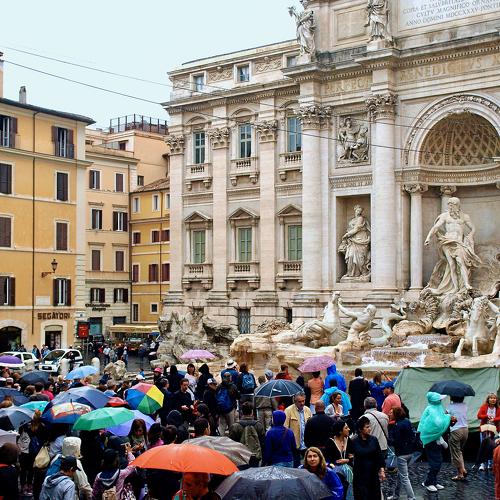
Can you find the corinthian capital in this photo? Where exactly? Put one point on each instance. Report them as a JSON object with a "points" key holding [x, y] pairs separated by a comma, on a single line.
{"points": [[176, 143], [415, 188], [314, 116], [267, 130], [448, 190], [219, 137], [381, 106]]}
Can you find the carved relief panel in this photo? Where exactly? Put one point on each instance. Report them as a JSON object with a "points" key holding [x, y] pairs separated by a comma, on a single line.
{"points": [[353, 140]]}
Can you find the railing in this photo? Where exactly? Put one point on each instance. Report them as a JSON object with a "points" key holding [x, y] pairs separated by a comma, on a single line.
{"points": [[291, 159], [244, 166], [244, 268], [195, 271], [292, 266], [199, 170], [138, 122], [64, 150]]}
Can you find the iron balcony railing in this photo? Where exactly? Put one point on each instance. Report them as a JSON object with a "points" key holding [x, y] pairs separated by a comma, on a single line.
{"points": [[138, 122]]}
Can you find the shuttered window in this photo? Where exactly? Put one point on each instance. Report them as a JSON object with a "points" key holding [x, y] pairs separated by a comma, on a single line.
{"points": [[62, 236], [96, 218], [165, 272], [120, 221], [96, 260], [62, 292], [153, 273], [155, 236], [94, 179], [5, 232], [135, 312], [98, 295], [120, 295], [119, 183], [135, 273], [294, 242], [63, 142], [7, 291], [62, 186], [244, 244], [119, 260], [8, 131], [165, 235], [5, 178], [136, 238], [198, 247]]}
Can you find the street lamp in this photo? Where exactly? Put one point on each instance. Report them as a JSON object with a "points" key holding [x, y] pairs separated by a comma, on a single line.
{"points": [[54, 267]]}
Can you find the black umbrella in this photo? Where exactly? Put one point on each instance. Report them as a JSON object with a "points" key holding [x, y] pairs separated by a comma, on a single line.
{"points": [[278, 388], [453, 388], [33, 377], [18, 397], [271, 483]]}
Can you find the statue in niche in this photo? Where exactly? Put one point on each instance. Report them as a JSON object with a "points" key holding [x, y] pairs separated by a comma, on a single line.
{"points": [[454, 232], [378, 20], [352, 142], [355, 246], [305, 28]]}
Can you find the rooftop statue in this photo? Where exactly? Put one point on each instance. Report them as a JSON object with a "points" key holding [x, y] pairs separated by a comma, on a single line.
{"points": [[305, 28], [378, 20]]}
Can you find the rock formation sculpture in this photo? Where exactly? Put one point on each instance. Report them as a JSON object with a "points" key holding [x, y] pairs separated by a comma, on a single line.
{"points": [[306, 27]]}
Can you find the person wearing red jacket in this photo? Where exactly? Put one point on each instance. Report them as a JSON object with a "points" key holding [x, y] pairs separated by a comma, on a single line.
{"points": [[489, 414]]}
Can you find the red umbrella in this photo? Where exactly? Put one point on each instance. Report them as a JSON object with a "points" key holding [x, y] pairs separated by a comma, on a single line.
{"points": [[316, 364], [117, 402]]}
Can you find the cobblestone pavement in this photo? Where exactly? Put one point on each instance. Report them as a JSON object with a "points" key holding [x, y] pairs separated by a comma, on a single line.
{"points": [[479, 485]]}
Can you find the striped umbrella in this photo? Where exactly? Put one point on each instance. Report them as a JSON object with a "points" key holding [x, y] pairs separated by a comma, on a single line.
{"points": [[145, 397]]}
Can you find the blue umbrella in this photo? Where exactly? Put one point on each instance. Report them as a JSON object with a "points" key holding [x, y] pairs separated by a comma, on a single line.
{"points": [[124, 429], [81, 372], [18, 397], [13, 417], [86, 395], [31, 378], [346, 402], [35, 405], [65, 413], [277, 388]]}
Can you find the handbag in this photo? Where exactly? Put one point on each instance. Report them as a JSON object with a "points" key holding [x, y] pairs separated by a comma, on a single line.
{"points": [[345, 470], [42, 460]]}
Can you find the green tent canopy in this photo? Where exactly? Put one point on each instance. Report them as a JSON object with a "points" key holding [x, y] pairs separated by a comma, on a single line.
{"points": [[414, 383]]}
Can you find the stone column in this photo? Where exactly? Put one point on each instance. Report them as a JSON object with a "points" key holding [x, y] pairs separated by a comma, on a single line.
{"points": [[416, 234], [383, 196], [446, 193]]}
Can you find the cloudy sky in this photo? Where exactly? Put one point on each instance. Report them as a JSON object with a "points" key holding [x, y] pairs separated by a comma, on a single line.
{"points": [[144, 39]]}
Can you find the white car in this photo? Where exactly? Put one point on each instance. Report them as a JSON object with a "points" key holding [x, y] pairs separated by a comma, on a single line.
{"points": [[23, 356], [52, 361]]}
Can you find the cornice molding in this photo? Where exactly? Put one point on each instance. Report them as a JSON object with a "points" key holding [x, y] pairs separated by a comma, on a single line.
{"points": [[350, 181], [468, 176]]}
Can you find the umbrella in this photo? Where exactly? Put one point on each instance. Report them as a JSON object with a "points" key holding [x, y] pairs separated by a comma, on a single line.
{"points": [[346, 400], [103, 418], [8, 437], [31, 378], [86, 395], [17, 397], [14, 416], [197, 354], [81, 372], [453, 388], [316, 364], [65, 413], [238, 453], [277, 388], [124, 429], [273, 482], [10, 361], [185, 458], [145, 397], [116, 402], [35, 405]]}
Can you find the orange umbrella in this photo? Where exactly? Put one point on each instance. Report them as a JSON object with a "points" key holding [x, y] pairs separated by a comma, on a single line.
{"points": [[185, 458]]}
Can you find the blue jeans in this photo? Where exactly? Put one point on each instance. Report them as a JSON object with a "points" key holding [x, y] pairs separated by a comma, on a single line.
{"points": [[435, 460], [403, 478], [284, 464]]}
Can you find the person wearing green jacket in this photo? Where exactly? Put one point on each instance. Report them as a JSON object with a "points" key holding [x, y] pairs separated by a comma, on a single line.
{"points": [[434, 423]]}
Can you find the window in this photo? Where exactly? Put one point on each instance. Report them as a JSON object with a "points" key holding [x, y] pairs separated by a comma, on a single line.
{"points": [[8, 131], [7, 291], [156, 202], [165, 272], [94, 179], [155, 236], [291, 61], [135, 273], [96, 218], [245, 140], [294, 134], [5, 231], [198, 83], [198, 247], [120, 221], [199, 147], [243, 73], [136, 238], [119, 320], [62, 186], [140, 180], [153, 273], [289, 315], [167, 200], [62, 236], [136, 205], [98, 295], [244, 244], [96, 260], [122, 145], [119, 183], [135, 312], [5, 178], [165, 235], [120, 295], [294, 242], [62, 292], [153, 308], [119, 260], [244, 320], [63, 142]]}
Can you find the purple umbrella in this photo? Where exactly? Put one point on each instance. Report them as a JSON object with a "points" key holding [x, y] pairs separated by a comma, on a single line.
{"points": [[124, 429], [10, 361], [197, 354], [316, 364]]}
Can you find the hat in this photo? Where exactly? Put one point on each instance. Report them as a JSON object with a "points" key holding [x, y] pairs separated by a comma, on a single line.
{"points": [[71, 447], [68, 463], [269, 374], [158, 370], [389, 385], [211, 381], [231, 363]]}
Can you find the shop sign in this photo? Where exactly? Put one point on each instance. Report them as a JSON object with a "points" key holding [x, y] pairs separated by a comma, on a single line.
{"points": [[82, 329], [98, 306], [53, 315]]}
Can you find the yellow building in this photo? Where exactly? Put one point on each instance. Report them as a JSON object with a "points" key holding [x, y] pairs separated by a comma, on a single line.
{"points": [[42, 224]]}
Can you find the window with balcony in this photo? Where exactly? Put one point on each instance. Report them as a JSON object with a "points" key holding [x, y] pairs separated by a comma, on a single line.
{"points": [[245, 140], [8, 131], [62, 292], [136, 238], [155, 202], [5, 178], [62, 236], [198, 247], [119, 183], [119, 260], [294, 134], [62, 186], [295, 242], [199, 147], [98, 295], [7, 291], [96, 218], [120, 221], [63, 142], [135, 273], [95, 260], [5, 232], [155, 236], [165, 271], [120, 295], [244, 244], [198, 83], [94, 179], [153, 274], [243, 73]]}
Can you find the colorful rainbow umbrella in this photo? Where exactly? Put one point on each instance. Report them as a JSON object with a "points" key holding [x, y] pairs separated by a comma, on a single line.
{"points": [[103, 418], [65, 413], [145, 397]]}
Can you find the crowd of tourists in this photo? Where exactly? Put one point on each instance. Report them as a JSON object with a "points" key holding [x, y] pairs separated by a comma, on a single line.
{"points": [[349, 435]]}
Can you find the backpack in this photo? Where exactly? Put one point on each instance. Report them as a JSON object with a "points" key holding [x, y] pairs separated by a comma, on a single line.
{"points": [[35, 445], [110, 494], [250, 437], [224, 402], [247, 382]]}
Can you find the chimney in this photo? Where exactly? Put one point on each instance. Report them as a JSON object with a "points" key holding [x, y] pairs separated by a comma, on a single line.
{"points": [[1, 74], [22, 95]]}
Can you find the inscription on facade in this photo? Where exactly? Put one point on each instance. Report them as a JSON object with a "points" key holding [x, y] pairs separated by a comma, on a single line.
{"points": [[349, 85], [418, 13], [53, 315]]}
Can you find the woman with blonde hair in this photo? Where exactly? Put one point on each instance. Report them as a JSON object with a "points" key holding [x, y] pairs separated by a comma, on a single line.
{"points": [[315, 462]]}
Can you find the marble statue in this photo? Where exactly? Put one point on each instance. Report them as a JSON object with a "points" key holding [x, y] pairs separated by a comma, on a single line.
{"points": [[355, 246], [387, 323], [478, 336], [454, 232], [357, 336], [352, 142], [305, 28], [378, 20]]}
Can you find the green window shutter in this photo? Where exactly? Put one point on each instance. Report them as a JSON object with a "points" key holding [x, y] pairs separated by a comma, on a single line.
{"points": [[245, 244], [294, 242], [199, 247]]}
